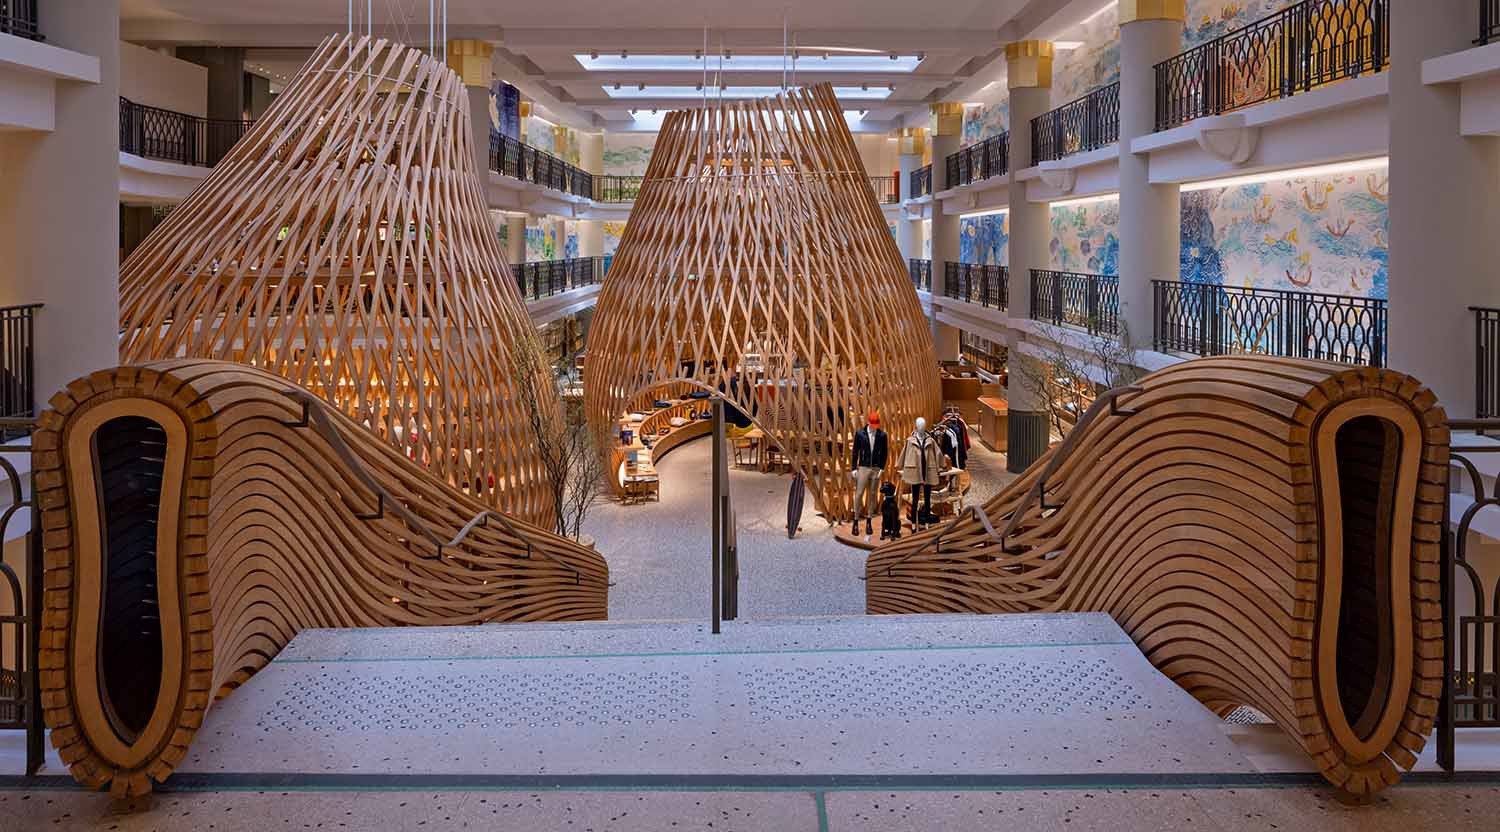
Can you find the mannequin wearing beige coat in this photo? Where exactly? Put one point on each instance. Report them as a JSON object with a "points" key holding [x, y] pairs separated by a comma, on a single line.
{"points": [[921, 462]]}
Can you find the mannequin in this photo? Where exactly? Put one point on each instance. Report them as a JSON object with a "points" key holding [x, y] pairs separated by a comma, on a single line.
{"points": [[921, 461], [866, 466]]}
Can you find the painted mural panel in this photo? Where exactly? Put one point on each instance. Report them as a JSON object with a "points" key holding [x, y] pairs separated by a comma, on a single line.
{"points": [[627, 154], [1085, 238], [1208, 19], [1315, 234], [542, 242], [1094, 64], [984, 239], [613, 231], [984, 120]]}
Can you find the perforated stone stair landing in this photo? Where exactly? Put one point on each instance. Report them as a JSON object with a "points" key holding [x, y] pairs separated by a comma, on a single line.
{"points": [[893, 695]]}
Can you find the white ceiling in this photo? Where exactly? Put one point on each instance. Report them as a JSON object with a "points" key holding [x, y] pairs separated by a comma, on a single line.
{"points": [[960, 42]]}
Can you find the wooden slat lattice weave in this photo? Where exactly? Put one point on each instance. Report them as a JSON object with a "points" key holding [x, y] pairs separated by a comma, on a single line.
{"points": [[757, 243], [344, 243]]}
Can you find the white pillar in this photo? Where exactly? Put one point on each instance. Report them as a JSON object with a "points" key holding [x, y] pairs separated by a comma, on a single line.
{"points": [[911, 144], [60, 206], [472, 60], [591, 159], [945, 237], [1443, 211], [1150, 215], [1029, 76], [515, 238]]}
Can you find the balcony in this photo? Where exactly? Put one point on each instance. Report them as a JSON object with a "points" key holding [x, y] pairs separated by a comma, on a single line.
{"points": [[1087, 301], [985, 285], [1209, 319], [921, 274], [1300, 48], [17, 362], [168, 136], [887, 190], [978, 162], [544, 278], [983, 353], [1088, 123], [1489, 22], [921, 182], [616, 189], [18, 17], [517, 160], [1486, 362]]}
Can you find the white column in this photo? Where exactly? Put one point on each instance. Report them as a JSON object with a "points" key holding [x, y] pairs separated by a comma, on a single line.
{"points": [[472, 59], [911, 145], [1150, 215], [515, 238], [1029, 76], [1443, 211], [60, 206], [945, 247], [591, 159]]}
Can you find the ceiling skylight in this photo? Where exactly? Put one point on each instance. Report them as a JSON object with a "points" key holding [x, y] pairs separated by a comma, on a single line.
{"points": [[872, 93], [807, 59]]}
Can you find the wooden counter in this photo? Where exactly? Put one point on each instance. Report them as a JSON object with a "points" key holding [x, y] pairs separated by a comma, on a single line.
{"points": [[994, 415], [661, 443]]}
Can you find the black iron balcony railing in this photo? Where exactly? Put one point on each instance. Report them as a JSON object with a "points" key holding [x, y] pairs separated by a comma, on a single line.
{"points": [[921, 274], [17, 361], [517, 160], [18, 17], [614, 188], [887, 189], [1209, 319], [921, 182], [1486, 362], [981, 161], [170, 136], [986, 285], [1489, 21], [544, 278], [1088, 123], [1313, 43], [1090, 301]]}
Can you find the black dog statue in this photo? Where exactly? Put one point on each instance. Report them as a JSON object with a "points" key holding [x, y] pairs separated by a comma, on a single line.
{"points": [[890, 514]]}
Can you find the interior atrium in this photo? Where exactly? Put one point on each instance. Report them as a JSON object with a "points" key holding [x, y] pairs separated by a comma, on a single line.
{"points": [[847, 415]]}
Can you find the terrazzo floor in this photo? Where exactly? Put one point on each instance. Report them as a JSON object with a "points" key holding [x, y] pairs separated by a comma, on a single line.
{"points": [[659, 551], [1451, 808], [889, 695]]}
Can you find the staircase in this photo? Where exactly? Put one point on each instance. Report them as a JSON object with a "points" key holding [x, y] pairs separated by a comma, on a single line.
{"points": [[557, 705]]}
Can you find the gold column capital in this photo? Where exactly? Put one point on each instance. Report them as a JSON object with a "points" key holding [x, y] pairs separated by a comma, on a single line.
{"points": [[1133, 10], [911, 141], [948, 118], [1028, 64], [471, 60]]}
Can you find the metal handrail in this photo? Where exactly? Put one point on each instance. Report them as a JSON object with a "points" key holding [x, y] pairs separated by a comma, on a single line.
{"points": [[1038, 490], [314, 416]]}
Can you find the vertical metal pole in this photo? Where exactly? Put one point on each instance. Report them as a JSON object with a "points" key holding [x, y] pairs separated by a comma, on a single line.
{"points": [[35, 730], [1445, 576], [718, 520]]}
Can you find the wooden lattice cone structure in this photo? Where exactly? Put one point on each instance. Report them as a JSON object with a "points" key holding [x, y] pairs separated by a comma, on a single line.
{"points": [[344, 244], [757, 244]]}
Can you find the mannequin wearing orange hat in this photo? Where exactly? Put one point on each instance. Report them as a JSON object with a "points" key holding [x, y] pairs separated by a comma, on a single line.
{"points": [[866, 467]]}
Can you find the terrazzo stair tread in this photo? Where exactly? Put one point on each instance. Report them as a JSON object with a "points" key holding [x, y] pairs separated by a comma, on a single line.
{"points": [[599, 638], [1023, 694]]}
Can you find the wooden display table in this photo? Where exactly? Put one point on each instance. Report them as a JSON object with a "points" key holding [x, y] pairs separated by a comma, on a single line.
{"points": [[994, 415]]}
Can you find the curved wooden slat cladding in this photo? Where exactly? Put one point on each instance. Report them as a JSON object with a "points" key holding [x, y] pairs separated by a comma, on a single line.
{"points": [[344, 243], [756, 241], [197, 491], [1267, 531]]}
